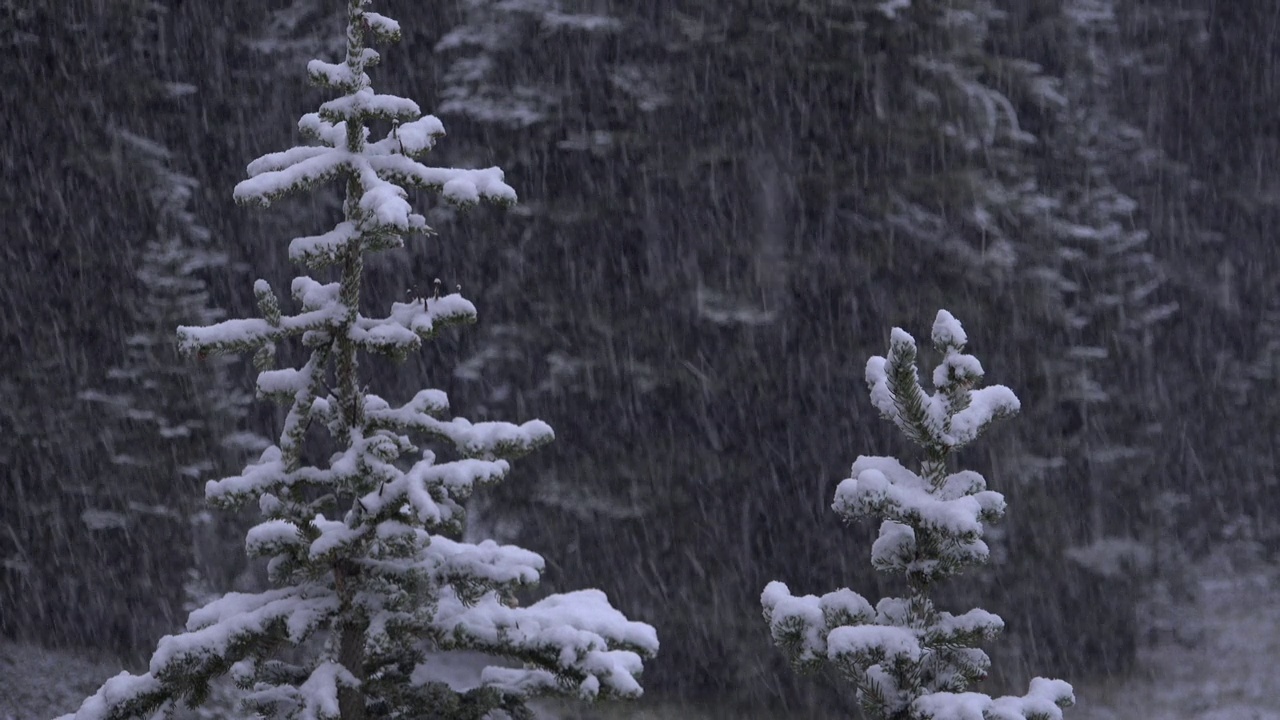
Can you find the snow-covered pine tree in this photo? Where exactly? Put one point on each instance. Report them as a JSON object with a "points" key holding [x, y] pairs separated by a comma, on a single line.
{"points": [[369, 578], [907, 659]]}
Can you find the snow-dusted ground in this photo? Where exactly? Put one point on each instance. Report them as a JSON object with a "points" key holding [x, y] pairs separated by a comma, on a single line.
{"points": [[38, 684], [1230, 672]]}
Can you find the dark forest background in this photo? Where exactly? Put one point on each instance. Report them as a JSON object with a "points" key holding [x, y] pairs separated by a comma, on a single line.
{"points": [[724, 208]]}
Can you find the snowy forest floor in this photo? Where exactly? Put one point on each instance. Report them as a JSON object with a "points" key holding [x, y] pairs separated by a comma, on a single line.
{"points": [[1229, 672]]}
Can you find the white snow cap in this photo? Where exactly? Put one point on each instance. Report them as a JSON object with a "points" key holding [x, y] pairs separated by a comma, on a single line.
{"points": [[1043, 701], [944, 423], [947, 330]]}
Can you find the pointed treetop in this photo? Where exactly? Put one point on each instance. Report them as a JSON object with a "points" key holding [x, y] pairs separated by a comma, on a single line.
{"points": [[947, 331], [956, 413]]}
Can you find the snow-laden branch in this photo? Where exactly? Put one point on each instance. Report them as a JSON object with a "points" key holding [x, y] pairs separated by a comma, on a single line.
{"points": [[218, 635], [576, 636], [953, 514], [384, 168], [1044, 701]]}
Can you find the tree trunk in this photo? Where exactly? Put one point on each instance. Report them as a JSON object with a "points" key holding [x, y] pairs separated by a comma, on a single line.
{"points": [[351, 645]]}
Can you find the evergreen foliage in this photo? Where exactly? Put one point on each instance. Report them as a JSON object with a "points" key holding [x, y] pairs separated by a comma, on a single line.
{"points": [[493, 77], [689, 266], [372, 582], [907, 659], [107, 246], [152, 394]]}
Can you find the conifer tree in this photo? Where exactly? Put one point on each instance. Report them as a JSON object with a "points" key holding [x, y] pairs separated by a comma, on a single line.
{"points": [[370, 577], [167, 425], [907, 659], [71, 288]]}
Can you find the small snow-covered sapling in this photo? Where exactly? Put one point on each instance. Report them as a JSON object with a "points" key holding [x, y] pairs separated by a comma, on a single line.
{"points": [[906, 659]]}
